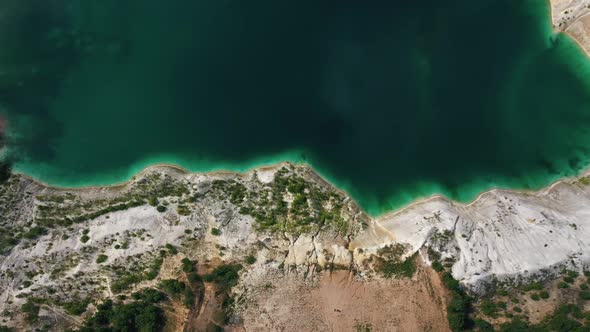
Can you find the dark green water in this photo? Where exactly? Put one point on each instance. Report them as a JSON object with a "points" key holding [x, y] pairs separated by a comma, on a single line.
{"points": [[391, 100]]}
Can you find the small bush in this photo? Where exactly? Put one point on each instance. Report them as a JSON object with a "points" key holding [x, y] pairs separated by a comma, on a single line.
{"points": [[585, 295], [101, 259], [215, 231], [250, 259], [173, 286], [149, 295], [225, 276], [161, 208], [562, 285], [533, 286], [535, 297], [489, 309], [76, 308], [171, 249], [544, 295], [85, 238], [31, 311], [437, 266], [187, 265], [502, 292]]}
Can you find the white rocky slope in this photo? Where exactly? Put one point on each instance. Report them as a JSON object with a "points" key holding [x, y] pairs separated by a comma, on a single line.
{"points": [[502, 233]]}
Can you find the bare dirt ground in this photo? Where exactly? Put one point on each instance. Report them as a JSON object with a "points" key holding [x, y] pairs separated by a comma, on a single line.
{"points": [[339, 303]]}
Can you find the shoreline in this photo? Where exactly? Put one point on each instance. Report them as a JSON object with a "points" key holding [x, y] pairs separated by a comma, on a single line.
{"points": [[384, 215]]}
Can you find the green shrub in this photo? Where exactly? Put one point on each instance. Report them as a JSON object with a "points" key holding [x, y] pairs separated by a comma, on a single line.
{"points": [[188, 297], [489, 309], [585, 295], [393, 268], [225, 276], [544, 295], [136, 316], [250, 259], [187, 265], [568, 279], [517, 309], [84, 238], [437, 266], [171, 249], [483, 326], [563, 285], [149, 295], [584, 287], [76, 307], [173, 287], [183, 210], [35, 232], [101, 259], [535, 297], [31, 311], [215, 231], [125, 282], [161, 208], [533, 286]]}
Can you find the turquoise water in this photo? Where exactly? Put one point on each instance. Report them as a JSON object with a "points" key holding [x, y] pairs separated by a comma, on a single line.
{"points": [[390, 100]]}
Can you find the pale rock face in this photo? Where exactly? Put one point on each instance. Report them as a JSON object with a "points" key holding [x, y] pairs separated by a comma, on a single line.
{"points": [[266, 175], [501, 234]]}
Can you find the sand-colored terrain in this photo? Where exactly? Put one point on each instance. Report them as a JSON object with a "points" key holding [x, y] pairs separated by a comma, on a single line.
{"points": [[573, 18], [338, 302]]}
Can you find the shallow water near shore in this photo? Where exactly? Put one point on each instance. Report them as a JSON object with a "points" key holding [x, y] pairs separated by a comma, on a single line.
{"points": [[389, 100]]}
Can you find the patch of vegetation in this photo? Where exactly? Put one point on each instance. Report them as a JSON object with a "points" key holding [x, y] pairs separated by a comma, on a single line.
{"points": [[125, 282], [161, 208], [76, 307], [459, 307], [363, 327], [35, 232], [171, 249], [176, 288], [311, 207], [172, 287], [31, 311], [489, 309], [390, 264], [149, 295], [134, 316], [225, 276], [187, 265], [101, 259], [250, 259], [215, 231], [84, 238], [565, 318]]}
